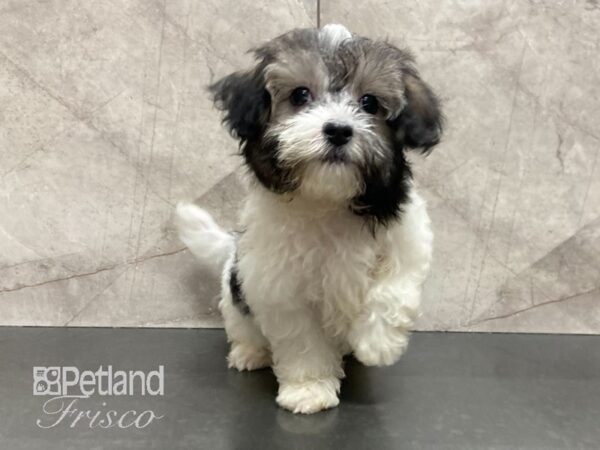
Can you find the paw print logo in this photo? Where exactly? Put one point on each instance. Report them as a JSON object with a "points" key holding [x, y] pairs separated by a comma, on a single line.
{"points": [[46, 381]]}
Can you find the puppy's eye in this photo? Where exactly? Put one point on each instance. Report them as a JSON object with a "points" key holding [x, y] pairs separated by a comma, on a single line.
{"points": [[300, 96], [369, 104]]}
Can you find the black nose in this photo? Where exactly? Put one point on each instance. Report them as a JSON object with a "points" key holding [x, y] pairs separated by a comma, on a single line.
{"points": [[337, 133]]}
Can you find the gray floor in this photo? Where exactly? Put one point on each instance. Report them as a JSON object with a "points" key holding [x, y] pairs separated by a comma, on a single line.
{"points": [[451, 391]]}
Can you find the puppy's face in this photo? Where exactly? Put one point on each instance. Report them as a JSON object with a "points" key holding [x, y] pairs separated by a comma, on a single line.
{"points": [[327, 115]]}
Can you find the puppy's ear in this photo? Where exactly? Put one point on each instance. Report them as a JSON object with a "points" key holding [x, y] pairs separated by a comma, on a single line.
{"points": [[243, 98], [420, 124]]}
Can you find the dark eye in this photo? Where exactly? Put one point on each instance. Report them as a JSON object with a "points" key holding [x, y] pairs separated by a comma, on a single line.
{"points": [[300, 96], [369, 104]]}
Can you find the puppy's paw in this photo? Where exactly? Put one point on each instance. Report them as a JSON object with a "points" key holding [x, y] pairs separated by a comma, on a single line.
{"points": [[376, 343], [310, 396], [248, 357]]}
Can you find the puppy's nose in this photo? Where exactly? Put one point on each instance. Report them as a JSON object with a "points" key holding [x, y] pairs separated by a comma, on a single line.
{"points": [[337, 133]]}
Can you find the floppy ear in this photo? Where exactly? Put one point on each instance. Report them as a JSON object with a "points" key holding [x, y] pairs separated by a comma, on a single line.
{"points": [[420, 124], [245, 101], [246, 104]]}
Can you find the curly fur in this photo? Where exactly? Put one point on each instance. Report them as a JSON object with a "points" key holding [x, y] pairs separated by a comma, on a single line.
{"points": [[334, 250]]}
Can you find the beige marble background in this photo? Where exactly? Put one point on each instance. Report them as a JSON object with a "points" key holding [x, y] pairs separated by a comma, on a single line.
{"points": [[105, 125]]}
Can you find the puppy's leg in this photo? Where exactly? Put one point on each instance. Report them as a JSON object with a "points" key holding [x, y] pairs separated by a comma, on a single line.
{"points": [[249, 348], [379, 335], [307, 365]]}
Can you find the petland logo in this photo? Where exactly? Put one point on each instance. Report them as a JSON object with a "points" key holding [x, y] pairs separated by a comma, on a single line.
{"points": [[69, 388]]}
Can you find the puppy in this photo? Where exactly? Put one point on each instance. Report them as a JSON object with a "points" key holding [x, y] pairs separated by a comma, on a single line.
{"points": [[336, 242]]}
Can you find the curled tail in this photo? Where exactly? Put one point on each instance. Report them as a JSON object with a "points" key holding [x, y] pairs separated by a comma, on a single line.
{"points": [[208, 242]]}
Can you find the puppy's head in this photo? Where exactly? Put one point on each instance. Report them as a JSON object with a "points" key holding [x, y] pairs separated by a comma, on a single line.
{"points": [[327, 115]]}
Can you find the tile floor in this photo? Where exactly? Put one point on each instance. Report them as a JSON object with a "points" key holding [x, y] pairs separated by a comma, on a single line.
{"points": [[105, 124]]}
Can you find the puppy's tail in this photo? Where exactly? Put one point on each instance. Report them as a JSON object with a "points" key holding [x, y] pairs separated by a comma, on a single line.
{"points": [[207, 241]]}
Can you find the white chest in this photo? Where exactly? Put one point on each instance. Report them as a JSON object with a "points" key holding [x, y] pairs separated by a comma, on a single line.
{"points": [[297, 259]]}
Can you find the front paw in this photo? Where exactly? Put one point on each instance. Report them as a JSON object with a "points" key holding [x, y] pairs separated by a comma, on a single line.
{"points": [[248, 357], [309, 397], [377, 343]]}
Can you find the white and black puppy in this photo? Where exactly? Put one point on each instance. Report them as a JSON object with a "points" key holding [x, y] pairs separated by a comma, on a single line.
{"points": [[336, 242]]}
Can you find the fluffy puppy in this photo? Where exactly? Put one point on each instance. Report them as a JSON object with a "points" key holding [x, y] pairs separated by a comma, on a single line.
{"points": [[336, 242]]}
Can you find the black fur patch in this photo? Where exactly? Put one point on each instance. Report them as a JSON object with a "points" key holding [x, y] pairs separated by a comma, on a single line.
{"points": [[246, 104], [385, 193], [420, 124], [261, 156], [237, 295], [244, 100]]}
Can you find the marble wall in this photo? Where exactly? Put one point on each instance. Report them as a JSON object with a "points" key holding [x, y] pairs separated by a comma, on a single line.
{"points": [[105, 124]]}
